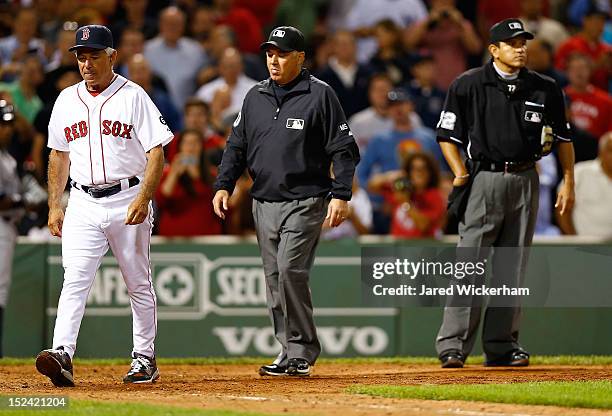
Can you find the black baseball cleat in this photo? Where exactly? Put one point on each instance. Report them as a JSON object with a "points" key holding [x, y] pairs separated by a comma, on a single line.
{"points": [[143, 370], [272, 370], [452, 359], [516, 358], [298, 367], [57, 365]]}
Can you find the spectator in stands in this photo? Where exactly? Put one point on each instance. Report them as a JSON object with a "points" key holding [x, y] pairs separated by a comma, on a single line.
{"points": [[133, 15], [575, 10], [61, 56], [590, 215], [221, 38], [63, 77], [185, 194], [416, 204], [23, 42], [544, 28], [246, 26], [131, 42], [390, 57], [448, 36], [139, 71], [540, 58], [196, 116], [305, 14], [345, 75], [588, 42], [176, 59], [493, 11], [359, 219], [375, 119], [232, 78], [590, 107], [263, 10], [23, 89], [547, 173], [428, 99], [201, 26], [365, 14], [386, 151]]}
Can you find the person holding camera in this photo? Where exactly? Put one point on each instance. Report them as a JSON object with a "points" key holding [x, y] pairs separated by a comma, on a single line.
{"points": [[448, 36], [185, 192], [413, 197]]}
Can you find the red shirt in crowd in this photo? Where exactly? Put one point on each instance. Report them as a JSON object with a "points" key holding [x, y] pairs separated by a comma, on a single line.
{"points": [[247, 28], [591, 110], [183, 215], [212, 142], [579, 44], [429, 202]]}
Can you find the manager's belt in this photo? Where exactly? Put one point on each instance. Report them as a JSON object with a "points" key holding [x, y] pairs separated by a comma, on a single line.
{"points": [[102, 192], [508, 167]]}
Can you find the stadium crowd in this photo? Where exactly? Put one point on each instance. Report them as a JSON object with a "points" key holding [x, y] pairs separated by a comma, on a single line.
{"points": [[390, 63]]}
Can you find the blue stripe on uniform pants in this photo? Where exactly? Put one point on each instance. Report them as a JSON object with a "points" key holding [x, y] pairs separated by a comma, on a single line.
{"points": [[501, 212], [288, 233]]}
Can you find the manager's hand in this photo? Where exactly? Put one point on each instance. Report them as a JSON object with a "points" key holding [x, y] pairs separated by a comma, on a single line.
{"points": [[337, 212], [220, 203], [56, 221]]}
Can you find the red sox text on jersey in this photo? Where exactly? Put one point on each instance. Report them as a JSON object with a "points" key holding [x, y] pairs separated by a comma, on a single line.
{"points": [[109, 127]]}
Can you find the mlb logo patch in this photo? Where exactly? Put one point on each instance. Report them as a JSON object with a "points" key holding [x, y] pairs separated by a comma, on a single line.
{"points": [[278, 33], [85, 34], [515, 25], [295, 123], [533, 117]]}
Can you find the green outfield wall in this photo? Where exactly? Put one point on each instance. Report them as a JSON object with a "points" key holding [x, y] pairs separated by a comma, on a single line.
{"points": [[211, 302]]}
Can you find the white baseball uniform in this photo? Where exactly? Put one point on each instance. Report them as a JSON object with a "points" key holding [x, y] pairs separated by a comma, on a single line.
{"points": [[107, 136], [10, 186]]}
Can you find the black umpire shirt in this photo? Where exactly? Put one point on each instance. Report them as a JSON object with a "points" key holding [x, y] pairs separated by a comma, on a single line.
{"points": [[289, 142], [497, 120]]}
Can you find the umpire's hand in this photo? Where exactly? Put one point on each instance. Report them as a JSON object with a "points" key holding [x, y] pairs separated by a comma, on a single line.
{"points": [[220, 203], [337, 212]]}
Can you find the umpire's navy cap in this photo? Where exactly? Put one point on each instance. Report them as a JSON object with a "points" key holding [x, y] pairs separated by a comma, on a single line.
{"points": [[508, 29], [94, 37], [285, 38]]}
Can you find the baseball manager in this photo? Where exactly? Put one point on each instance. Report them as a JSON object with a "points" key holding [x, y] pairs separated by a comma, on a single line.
{"points": [[290, 131], [505, 118]]}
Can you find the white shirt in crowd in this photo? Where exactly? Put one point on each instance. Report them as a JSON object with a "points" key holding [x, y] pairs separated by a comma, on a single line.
{"points": [[362, 209], [591, 213], [207, 91]]}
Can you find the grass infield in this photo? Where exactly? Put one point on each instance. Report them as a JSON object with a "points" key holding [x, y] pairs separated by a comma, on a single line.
{"points": [[583, 394], [576, 360], [99, 408]]}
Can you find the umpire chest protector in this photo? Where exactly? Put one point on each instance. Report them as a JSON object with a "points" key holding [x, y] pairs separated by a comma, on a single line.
{"points": [[501, 121]]}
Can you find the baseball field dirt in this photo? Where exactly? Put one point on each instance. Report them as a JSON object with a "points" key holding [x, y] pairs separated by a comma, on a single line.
{"points": [[238, 387]]}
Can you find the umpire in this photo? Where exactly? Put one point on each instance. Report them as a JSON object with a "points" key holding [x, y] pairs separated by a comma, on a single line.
{"points": [[505, 118], [289, 132]]}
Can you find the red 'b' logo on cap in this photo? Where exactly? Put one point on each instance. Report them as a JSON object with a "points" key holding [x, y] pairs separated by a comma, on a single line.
{"points": [[85, 34]]}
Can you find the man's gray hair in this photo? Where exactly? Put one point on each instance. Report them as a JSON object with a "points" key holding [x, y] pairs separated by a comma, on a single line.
{"points": [[110, 51]]}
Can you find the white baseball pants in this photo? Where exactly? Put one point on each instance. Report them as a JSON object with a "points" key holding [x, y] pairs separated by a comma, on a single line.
{"points": [[90, 226]]}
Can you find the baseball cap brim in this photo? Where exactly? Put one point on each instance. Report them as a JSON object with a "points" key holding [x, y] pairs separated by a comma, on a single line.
{"points": [[523, 33], [89, 46], [273, 44]]}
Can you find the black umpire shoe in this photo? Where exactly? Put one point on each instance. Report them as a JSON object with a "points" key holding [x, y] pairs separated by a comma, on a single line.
{"points": [[272, 370], [516, 358], [143, 370], [57, 365], [298, 367], [452, 359]]}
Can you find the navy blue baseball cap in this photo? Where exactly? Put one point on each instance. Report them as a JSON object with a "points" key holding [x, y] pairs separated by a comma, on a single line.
{"points": [[508, 29], [94, 37], [285, 38]]}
